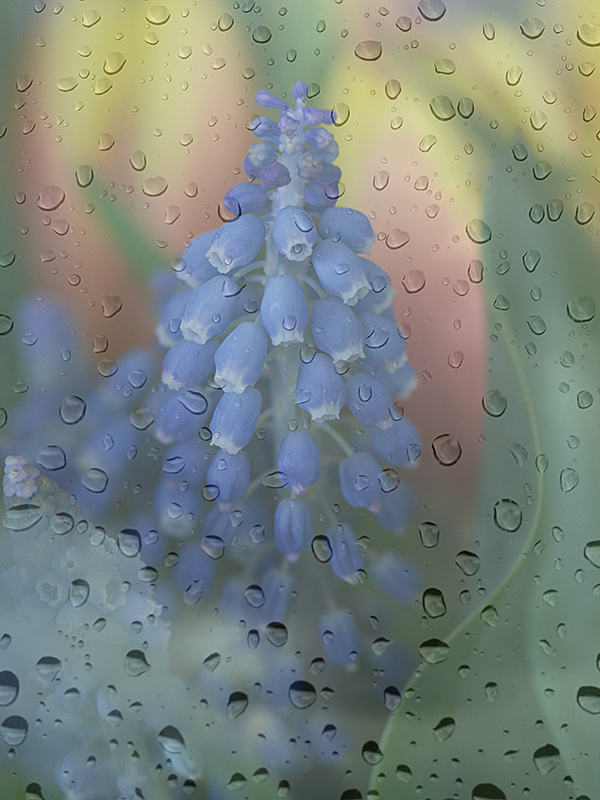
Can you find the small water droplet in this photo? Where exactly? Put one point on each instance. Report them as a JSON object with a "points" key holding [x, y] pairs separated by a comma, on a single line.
{"points": [[414, 281], [434, 603], [84, 175], [72, 409], [262, 34], [584, 213], [371, 753], [321, 548], [432, 10], [427, 142], [66, 84], [111, 305], [255, 596], [569, 479], [129, 542], [429, 534], [52, 458], [369, 50], [538, 120], [381, 179], [444, 729], [135, 663], [396, 239], [396, 123], [14, 730], [102, 86], [489, 31], [105, 141], [456, 359], [444, 66], [95, 480], [225, 22], [588, 699], [468, 562], [90, 18], [171, 740], [9, 687], [391, 698], [434, 651], [404, 24], [446, 449], [276, 633]]}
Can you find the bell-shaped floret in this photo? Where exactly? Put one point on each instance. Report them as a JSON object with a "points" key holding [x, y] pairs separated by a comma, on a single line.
{"points": [[325, 190], [274, 175], [299, 90], [261, 154], [396, 507], [180, 416], [229, 476], [194, 267], [399, 445], [240, 357], [235, 419], [283, 311], [188, 364], [340, 271], [209, 309], [264, 128], [337, 330], [294, 233], [341, 638], [168, 330], [319, 138], [320, 390], [348, 226], [396, 577], [347, 556], [361, 479], [318, 116], [309, 166], [385, 347], [299, 461], [369, 401], [293, 528], [267, 99], [381, 295], [236, 243], [245, 198]]}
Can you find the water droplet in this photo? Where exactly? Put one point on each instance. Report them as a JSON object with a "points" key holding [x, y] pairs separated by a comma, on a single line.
{"points": [[538, 120], [114, 63], [52, 458], [50, 198], [136, 664], [393, 89], [589, 34], [478, 231], [536, 213], [396, 123], [79, 591], [588, 698], [185, 51], [541, 170], [138, 160], [14, 730], [95, 480], [434, 603], [105, 141], [102, 86], [84, 175], [584, 399], [444, 66], [380, 180], [24, 82], [501, 303], [90, 18], [434, 651], [7, 259], [371, 753], [47, 669], [507, 515], [66, 84], [130, 542], [546, 758], [302, 694], [475, 271], [6, 324], [468, 562], [369, 50], [429, 534], [255, 596], [396, 239], [581, 309], [72, 410], [261, 34], [291, 55], [9, 687], [111, 305], [414, 281], [446, 449], [536, 325], [391, 698], [171, 740], [584, 213], [321, 548], [456, 359], [531, 259], [225, 22], [276, 633], [489, 31], [154, 187], [158, 15], [444, 729], [569, 479], [432, 10], [427, 142], [404, 24], [442, 107], [532, 27]]}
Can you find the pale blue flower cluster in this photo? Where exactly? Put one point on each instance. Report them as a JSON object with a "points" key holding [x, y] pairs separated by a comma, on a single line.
{"points": [[272, 438]]}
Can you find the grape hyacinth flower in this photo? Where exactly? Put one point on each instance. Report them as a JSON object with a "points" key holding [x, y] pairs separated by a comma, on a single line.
{"points": [[245, 463]]}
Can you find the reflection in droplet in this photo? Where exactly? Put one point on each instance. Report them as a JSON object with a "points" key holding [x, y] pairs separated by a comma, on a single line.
{"points": [[129, 542], [302, 694], [588, 698], [546, 758], [369, 50], [276, 633], [9, 687], [371, 753], [444, 729], [47, 669], [79, 591], [171, 740], [14, 730]]}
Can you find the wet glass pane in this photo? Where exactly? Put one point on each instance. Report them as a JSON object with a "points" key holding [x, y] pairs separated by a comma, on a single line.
{"points": [[299, 360]]}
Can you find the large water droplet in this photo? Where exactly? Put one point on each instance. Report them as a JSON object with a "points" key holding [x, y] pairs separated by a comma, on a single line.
{"points": [[302, 694], [95, 480], [393, 89], [9, 687], [114, 63], [72, 410], [538, 120], [581, 309], [261, 34], [66, 84], [444, 66], [584, 213], [237, 704], [171, 740], [79, 591], [507, 515], [90, 18], [434, 651], [154, 187], [111, 305], [468, 562], [532, 27], [225, 22], [444, 729], [478, 231], [255, 596], [369, 50], [442, 107], [589, 34], [429, 534], [158, 15], [546, 758], [569, 478], [50, 198], [380, 180], [432, 10], [588, 698], [434, 603], [396, 239], [14, 730], [130, 542], [371, 753], [84, 175], [321, 548], [276, 633], [135, 663], [487, 791], [47, 669], [427, 142], [446, 449]]}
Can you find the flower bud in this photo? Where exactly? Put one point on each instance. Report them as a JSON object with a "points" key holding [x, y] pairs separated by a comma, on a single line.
{"points": [[209, 309], [337, 330], [236, 243], [240, 357], [385, 347], [320, 390], [283, 311], [245, 198], [340, 271], [195, 268], [299, 461], [347, 557], [369, 401], [293, 527], [360, 477], [235, 419], [230, 475], [188, 364], [294, 233], [348, 226]]}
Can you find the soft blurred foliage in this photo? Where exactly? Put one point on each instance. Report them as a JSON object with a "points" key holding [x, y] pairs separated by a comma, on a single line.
{"points": [[137, 114]]}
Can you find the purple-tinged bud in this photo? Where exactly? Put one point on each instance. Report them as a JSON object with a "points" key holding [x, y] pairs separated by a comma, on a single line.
{"points": [[320, 390], [245, 198], [337, 330], [385, 347], [261, 154], [209, 309], [396, 577], [240, 357], [264, 128], [361, 480], [380, 297], [251, 170], [322, 193], [299, 461], [299, 90], [294, 233], [319, 138], [194, 267], [318, 116], [19, 478], [288, 125], [399, 445], [188, 364], [283, 311], [293, 528], [236, 243], [348, 226], [340, 271], [309, 166], [268, 100], [273, 176], [168, 330], [180, 416], [235, 419], [369, 401], [229, 475], [341, 638], [347, 556]]}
